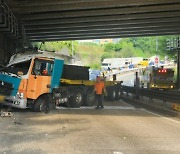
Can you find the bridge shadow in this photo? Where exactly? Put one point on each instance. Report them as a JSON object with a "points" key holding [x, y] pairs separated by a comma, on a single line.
{"points": [[116, 108]]}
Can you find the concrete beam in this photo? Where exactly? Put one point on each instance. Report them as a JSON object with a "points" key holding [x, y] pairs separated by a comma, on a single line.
{"points": [[107, 25], [123, 18], [107, 33], [88, 31], [47, 39], [45, 6], [97, 32], [112, 11], [71, 19], [26, 3]]}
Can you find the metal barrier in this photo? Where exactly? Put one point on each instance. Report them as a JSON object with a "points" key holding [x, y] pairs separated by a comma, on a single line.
{"points": [[158, 94], [110, 75]]}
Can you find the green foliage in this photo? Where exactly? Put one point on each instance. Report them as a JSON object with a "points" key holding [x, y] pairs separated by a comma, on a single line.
{"points": [[109, 47], [112, 47], [138, 46], [57, 46], [92, 54], [95, 66]]}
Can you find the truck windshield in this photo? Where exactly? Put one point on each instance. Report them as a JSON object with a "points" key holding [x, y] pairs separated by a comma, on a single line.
{"points": [[18, 68], [42, 67]]}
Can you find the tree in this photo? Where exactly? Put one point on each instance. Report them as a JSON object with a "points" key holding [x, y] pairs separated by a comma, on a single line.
{"points": [[109, 47]]}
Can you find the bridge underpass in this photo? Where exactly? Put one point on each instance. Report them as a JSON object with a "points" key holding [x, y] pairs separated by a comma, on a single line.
{"points": [[77, 20], [23, 22], [116, 129]]}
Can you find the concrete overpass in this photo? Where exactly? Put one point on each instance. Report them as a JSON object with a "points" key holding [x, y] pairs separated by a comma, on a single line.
{"points": [[37, 20]]}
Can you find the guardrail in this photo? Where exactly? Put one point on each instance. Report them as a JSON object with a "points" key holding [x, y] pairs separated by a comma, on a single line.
{"points": [[170, 96], [109, 75]]}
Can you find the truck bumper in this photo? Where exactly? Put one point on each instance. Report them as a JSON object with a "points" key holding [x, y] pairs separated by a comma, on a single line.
{"points": [[2, 98], [15, 102]]}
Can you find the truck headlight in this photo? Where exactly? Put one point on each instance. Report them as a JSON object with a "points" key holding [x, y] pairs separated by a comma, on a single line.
{"points": [[20, 95]]}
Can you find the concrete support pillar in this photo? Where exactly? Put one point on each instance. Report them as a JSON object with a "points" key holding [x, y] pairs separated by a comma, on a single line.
{"points": [[178, 69], [7, 48], [2, 50]]}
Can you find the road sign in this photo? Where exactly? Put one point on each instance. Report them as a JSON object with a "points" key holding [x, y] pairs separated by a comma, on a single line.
{"points": [[156, 61]]}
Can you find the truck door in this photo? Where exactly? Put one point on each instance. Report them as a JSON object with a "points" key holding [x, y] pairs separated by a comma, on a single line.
{"points": [[39, 78]]}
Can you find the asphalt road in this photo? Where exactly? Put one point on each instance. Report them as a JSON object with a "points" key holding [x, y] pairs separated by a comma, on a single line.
{"points": [[117, 129], [128, 78]]}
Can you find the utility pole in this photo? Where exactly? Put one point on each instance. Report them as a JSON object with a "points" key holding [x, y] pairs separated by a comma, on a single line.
{"points": [[156, 43], [72, 49], [174, 44]]}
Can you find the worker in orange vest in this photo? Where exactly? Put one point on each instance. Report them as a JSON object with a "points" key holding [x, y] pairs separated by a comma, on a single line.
{"points": [[99, 91]]}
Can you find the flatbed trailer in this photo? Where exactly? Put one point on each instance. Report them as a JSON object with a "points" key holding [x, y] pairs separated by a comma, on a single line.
{"points": [[75, 93], [87, 82], [32, 82]]}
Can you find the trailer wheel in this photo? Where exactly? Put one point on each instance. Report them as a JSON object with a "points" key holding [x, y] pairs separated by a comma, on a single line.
{"points": [[90, 98], [148, 86], [76, 99], [112, 93], [118, 93]]}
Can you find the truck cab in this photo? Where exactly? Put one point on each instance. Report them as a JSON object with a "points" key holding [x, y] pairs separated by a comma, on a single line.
{"points": [[26, 81]]}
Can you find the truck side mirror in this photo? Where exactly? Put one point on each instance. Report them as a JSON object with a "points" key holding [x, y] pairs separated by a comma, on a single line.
{"points": [[35, 76]]}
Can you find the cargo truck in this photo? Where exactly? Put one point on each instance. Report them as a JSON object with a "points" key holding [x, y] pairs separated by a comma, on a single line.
{"points": [[30, 82], [157, 78]]}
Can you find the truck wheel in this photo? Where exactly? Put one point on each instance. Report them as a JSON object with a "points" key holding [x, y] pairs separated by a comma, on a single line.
{"points": [[76, 99], [40, 104], [118, 93], [90, 98], [112, 93], [148, 86]]}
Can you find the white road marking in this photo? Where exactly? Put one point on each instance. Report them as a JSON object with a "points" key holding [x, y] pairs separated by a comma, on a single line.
{"points": [[105, 108], [154, 113], [161, 116], [115, 152]]}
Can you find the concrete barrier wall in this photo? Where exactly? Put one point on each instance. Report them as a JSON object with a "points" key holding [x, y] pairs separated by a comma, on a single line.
{"points": [[2, 51], [7, 47]]}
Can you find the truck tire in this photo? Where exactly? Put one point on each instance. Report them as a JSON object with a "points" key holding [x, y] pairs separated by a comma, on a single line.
{"points": [[148, 86], [118, 93], [40, 104], [76, 100], [89, 98], [112, 93]]}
